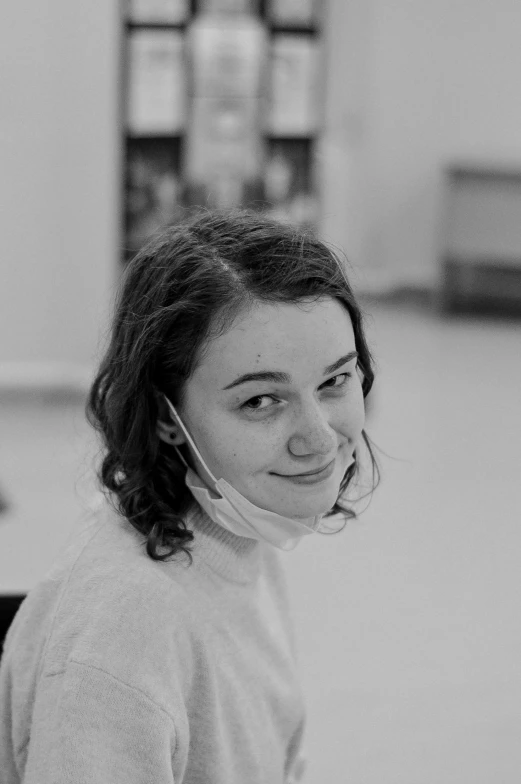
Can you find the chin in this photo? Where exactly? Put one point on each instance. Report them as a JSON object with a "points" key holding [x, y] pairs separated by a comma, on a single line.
{"points": [[311, 508]]}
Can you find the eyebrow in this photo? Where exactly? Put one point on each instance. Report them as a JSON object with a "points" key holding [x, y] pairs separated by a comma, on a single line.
{"points": [[278, 377]]}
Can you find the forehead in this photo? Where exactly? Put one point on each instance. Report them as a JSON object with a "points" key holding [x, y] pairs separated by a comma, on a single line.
{"points": [[295, 338]]}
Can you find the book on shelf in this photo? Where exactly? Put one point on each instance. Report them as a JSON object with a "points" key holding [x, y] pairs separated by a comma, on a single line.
{"points": [[224, 141], [156, 102], [228, 56], [158, 11], [153, 190], [294, 88], [287, 183], [293, 12]]}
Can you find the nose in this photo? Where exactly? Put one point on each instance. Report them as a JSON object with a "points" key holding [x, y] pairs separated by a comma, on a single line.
{"points": [[313, 434]]}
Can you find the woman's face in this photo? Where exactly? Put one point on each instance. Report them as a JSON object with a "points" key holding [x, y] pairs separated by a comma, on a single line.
{"points": [[275, 405]]}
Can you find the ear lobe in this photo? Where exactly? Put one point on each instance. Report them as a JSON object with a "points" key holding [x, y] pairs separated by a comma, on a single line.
{"points": [[170, 434]]}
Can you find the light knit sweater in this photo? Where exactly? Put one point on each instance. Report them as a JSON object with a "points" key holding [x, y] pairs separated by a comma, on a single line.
{"points": [[121, 670]]}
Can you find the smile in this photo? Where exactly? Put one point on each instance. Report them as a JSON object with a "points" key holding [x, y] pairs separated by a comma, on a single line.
{"points": [[310, 477]]}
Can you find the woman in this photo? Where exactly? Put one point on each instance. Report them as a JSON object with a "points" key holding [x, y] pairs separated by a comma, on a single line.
{"points": [[231, 406]]}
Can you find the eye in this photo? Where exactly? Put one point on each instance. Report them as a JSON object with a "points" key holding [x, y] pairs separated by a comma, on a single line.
{"points": [[337, 382], [258, 403]]}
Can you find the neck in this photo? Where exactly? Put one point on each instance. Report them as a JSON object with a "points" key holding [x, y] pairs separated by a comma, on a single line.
{"points": [[236, 558]]}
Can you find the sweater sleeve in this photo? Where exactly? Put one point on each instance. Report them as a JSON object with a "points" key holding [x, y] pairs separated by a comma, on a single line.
{"points": [[296, 760], [91, 728]]}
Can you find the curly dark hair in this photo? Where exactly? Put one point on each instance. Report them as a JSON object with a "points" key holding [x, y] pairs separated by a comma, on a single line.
{"points": [[185, 286]]}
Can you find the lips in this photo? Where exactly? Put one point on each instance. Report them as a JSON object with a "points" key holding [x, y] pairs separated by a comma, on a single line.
{"points": [[311, 473], [310, 478], [316, 472]]}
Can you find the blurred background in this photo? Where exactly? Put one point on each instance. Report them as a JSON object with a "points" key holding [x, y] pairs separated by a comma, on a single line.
{"points": [[393, 128]]}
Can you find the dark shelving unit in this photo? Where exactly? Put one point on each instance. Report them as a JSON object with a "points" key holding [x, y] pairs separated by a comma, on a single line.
{"points": [[154, 191]]}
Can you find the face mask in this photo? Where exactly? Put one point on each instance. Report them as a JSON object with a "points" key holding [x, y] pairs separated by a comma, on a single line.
{"points": [[231, 510]]}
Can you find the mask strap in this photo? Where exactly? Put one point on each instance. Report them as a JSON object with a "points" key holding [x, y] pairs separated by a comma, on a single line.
{"points": [[179, 422]]}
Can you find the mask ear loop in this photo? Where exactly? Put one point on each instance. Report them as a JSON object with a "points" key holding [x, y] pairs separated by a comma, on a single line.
{"points": [[177, 419], [181, 458]]}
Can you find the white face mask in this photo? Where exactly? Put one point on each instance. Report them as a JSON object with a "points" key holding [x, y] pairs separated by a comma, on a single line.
{"points": [[228, 508]]}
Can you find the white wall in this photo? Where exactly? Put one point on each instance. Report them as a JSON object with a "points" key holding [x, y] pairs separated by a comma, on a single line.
{"points": [[413, 84], [342, 161], [59, 199]]}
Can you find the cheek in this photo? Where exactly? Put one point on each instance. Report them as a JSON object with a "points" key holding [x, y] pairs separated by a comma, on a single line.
{"points": [[227, 448], [207, 439], [251, 448], [250, 452]]}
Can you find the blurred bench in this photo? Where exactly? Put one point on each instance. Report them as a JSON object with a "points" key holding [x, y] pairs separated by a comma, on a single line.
{"points": [[481, 240]]}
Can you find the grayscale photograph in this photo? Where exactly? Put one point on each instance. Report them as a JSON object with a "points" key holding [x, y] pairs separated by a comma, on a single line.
{"points": [[260, 384]]}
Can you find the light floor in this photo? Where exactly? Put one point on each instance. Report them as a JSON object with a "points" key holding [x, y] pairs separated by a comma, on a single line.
{"points": [[409, 622]]}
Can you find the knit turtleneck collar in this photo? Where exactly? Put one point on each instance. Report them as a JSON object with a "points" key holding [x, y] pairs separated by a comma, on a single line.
{"points": [[235, 558]]}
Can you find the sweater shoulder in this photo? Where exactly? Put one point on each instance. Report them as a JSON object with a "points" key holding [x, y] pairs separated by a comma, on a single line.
{"points": [[106, 604]]}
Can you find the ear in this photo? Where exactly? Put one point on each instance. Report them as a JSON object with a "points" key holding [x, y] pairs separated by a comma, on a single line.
{"points": [[170, 434], [167, 430]]}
